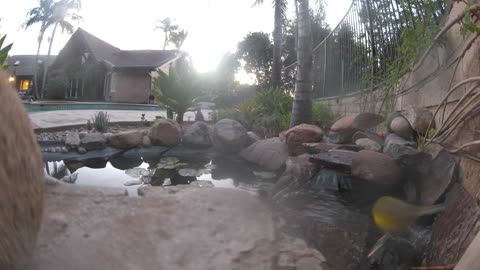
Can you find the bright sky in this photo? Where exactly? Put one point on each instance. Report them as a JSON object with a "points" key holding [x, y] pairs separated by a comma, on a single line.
{"points": [[214, 26]]}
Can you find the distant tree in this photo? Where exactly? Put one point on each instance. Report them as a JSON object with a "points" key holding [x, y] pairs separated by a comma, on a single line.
{"points": [[178, 38], [280, 7], [64, 11], [42, 14], [222, 79], [256, 55], [172, 33], [302, 103]]}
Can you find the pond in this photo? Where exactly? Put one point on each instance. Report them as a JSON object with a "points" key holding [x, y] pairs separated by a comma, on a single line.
{"points": [[130, 173], [319, 216]]}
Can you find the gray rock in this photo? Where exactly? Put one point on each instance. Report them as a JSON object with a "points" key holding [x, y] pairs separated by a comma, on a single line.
{"points": [[340, 137], [146, 141], [229, 136], [64, 150], [396, 146], [390, 117], [419, 118], [402, 128], [94, 141], [82, 134], [52, 149], [197, 135], [442, 174], [202, 183], [58, 149], [72, 140], [376, 168], [82, 150], [133, 183], [370, 135], [270, 153], [252, 138], [368, 144]]}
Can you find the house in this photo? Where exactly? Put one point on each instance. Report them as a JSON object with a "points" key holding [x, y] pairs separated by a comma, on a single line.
{"points": [[21, 70], [90, 69]]}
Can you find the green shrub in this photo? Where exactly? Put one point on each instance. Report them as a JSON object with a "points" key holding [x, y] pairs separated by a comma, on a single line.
{"points": [[100, 121], [322, 116], [88, 125]]}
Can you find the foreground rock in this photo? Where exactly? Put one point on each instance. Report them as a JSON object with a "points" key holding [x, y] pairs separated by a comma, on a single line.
{"points": [[198, 135], [368, 144], [298, 135], [229, 136], [150, 233], [93, 141], [72, 140], [165, 132], [270, 153], [419, 118], [127, 139]]}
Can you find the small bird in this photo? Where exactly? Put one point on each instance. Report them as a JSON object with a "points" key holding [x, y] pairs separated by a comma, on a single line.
{"points": [[395, 216]]}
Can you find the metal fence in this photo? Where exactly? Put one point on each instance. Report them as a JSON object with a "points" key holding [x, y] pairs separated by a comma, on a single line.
{"points": [[364, 44]]}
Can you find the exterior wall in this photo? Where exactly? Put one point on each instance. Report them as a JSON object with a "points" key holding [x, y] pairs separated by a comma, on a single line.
{"points": [[132, 86]]}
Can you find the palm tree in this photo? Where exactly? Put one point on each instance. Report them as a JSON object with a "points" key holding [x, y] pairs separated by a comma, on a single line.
{"points": [[42, 14], [280, 8], [61, 17], [302, 103], [168, 27]]}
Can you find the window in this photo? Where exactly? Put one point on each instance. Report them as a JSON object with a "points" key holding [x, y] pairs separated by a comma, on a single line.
{"points": [[25, 84]]}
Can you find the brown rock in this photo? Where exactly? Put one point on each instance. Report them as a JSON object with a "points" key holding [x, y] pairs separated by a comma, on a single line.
{"points": [[419, 118], [270, 153], [296, 136], [127, 139], [368, 144], [358, 121], [376, 167], [165, 132], [72, 140]]}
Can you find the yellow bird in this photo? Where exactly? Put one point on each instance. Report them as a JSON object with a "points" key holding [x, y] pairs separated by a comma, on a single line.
{"points": [[395, 216]]}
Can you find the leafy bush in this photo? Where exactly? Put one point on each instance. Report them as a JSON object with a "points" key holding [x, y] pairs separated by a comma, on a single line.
{"points": [[322, 116], [100, 121], [57, 86], [88, 125]]}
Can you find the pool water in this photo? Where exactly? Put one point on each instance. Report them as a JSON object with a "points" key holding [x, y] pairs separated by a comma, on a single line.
{"points": [[40, 107]]}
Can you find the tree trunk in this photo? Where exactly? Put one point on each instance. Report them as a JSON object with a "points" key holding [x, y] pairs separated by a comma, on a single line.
{"points": [[277, 45], [180, 117], [165, 40], [35, 72], [302, 103], [47, 60]]}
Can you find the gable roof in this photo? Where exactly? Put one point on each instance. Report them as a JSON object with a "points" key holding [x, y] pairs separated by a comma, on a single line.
{"points": [[116, 58], [24, 65]]}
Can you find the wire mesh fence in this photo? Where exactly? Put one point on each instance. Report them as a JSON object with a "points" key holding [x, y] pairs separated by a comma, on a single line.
{"points": [[363, 45]]}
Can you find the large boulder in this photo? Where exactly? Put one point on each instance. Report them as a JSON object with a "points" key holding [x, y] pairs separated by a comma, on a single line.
{"points": [[298, 135], [229, 136], [357, 121], [72, 140], [94, 141], [252, 138], [197, 135], [396, 146], [165, 132], [419, 118], [402, 128], [376, 168], [270, 153], [343, 129], [127, 139]]}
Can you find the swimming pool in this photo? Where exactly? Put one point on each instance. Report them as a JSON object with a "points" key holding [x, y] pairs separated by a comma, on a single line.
{"points": [[57, 106]]}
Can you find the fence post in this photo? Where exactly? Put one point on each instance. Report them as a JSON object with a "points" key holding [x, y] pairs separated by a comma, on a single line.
{"points": [[372, 42]]}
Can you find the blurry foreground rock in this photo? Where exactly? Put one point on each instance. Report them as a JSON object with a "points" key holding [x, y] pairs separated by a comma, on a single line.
{"points": [[166, 228]]}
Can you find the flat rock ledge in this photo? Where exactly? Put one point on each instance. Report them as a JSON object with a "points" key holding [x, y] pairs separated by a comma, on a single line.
{"points": [[165, 228]]}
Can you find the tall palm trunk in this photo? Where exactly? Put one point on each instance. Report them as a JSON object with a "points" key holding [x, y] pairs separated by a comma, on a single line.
{"points": [[35, 73], [180, 115], [277, 45], [165, 40], [302, 103], [47, 60]]}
